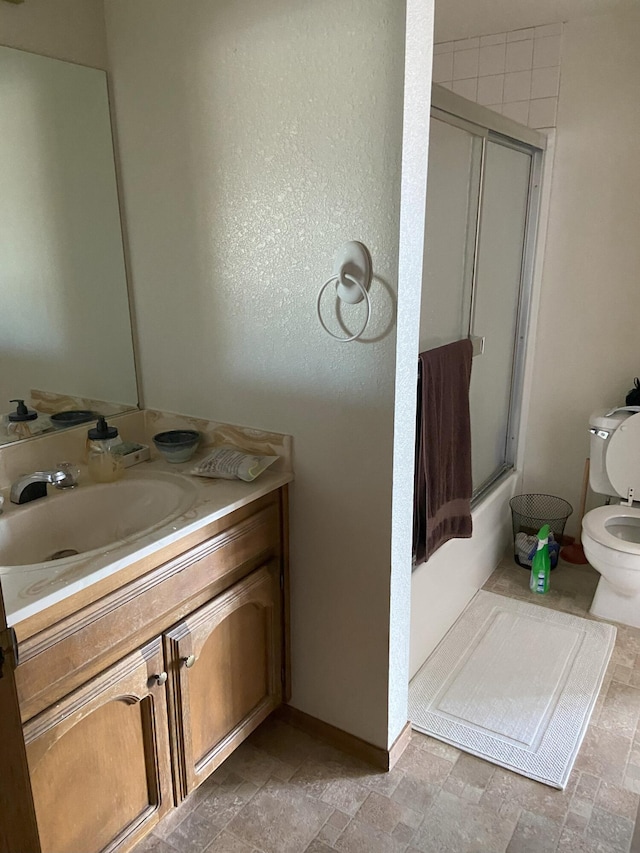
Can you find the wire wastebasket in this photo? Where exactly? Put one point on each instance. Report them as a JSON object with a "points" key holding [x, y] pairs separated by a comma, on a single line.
{"points": [[528, 514]]}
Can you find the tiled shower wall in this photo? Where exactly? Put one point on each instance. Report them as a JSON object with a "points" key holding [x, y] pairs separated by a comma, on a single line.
{"points": [[515, 73]]}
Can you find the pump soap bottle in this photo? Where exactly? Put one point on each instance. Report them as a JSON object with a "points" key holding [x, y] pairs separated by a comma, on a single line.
{"points": [[104, 465], [24, 422]]}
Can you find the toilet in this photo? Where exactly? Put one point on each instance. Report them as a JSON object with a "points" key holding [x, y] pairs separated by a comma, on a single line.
{"points": [[611, 534]]}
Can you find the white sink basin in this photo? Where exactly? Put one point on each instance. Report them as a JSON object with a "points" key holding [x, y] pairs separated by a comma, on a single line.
{"points": [[79, 522]]}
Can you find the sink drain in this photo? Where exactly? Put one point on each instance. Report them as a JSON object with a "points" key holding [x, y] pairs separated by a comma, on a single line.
{"points": [[60, 555]]}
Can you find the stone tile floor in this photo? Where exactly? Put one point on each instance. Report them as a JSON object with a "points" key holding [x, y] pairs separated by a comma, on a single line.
{"points": [[283, 791]]}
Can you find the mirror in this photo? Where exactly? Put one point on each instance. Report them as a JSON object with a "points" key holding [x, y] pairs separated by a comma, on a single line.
{"points": [[65, 326]]}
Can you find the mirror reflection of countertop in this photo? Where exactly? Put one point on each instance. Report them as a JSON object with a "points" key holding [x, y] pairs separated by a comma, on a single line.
{"points": [[29, 590]]}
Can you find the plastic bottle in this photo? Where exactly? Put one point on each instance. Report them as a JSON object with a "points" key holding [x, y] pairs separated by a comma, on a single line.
{"points": [[541, 565], [104, 465]]}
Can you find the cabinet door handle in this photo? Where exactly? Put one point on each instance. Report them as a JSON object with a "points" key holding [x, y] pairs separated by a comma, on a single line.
{"points": [[161, 678], [189, 661]]}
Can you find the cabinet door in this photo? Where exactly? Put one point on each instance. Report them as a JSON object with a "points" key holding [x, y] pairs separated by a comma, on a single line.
{"points": [[99, 759], [225, 674]]}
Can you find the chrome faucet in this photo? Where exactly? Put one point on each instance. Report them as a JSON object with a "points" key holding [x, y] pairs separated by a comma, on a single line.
{"points": [[30, 487]]}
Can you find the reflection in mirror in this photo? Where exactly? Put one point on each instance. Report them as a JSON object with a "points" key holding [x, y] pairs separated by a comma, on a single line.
{"points": [[65, 330]]}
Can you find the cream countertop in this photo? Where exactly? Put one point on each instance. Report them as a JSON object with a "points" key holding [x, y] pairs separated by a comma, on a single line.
{"points": [[27, 591]]}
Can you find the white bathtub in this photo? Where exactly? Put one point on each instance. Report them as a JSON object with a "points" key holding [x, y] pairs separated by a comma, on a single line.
{"points": [[442, 587]]}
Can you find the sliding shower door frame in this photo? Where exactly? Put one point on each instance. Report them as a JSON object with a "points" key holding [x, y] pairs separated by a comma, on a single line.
{"points": [[524, 304], [492, 127]]}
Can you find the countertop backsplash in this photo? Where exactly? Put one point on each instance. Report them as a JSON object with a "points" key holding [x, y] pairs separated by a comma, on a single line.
{"points": [[68, 445], [216, 434]]}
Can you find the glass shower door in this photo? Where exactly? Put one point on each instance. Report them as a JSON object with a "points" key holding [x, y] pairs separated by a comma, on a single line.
{"points": [[477, 221], [455, 156], [495, 309]]}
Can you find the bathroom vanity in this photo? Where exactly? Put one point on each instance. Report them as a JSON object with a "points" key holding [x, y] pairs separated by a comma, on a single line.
{"points": [[119, 699], [142, 636]]}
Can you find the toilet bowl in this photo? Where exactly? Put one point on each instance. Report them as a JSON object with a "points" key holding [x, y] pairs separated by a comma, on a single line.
{"points": [[611, 534], [611, 542]]}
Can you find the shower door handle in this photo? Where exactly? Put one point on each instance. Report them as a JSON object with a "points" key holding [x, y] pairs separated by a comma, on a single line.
{"points": [[478, 344]]}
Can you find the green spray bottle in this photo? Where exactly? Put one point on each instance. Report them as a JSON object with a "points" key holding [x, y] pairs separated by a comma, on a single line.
{"points": [[541, 565]]}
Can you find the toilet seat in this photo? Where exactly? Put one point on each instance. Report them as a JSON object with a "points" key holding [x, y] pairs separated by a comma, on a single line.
{"points": [[595, 523]]}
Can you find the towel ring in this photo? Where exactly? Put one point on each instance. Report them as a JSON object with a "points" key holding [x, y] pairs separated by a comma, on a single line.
{"points": [[339, 279], [352, 276]]}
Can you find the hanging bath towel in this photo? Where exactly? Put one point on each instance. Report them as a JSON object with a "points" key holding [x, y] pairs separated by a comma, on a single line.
{"points": [[443, 482]]}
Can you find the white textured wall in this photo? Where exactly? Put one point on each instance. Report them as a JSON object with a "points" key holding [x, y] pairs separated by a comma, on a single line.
{"points": [[256, 138], [65, 29], [417, 104], [588, 347]]}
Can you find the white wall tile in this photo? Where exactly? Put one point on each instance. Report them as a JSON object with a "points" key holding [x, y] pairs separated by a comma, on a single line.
{"points": [[542, 112], [498, 38], [546, 51], [520, 35], [467, 88], [545, 82], [490, 89], [465, 64], [548, 30], [519, 55], [491, 60], [518, 111], [443, 67], [514, 73], [517, 87], [466, 44]]}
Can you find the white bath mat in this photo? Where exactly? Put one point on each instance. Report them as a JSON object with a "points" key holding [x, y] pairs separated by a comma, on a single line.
{"points": [[514, 683]]}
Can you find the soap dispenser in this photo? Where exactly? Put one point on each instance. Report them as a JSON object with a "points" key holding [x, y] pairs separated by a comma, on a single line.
{"points": [[105, 465], [22, 413], [23, 422]]}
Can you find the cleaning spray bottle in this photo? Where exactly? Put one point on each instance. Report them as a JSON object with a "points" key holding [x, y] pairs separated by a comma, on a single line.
{"points": [[541, 565]]}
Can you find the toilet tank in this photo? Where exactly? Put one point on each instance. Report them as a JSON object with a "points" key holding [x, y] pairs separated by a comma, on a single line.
{"points": [[602, 426]]}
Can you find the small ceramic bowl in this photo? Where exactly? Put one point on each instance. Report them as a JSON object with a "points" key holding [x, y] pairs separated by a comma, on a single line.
{"points": [[177, 445]]}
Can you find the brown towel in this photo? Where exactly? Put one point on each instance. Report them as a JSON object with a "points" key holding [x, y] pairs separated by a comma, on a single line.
{"points": [[443, 484]]}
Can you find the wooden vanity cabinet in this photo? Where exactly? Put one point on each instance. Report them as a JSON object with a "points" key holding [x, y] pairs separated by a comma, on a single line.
{"points": [[103, 762], [99, 761], [226, 674]]}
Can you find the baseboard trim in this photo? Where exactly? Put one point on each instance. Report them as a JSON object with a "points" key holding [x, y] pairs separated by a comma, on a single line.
{"points": [[399, 745], [352, 745]]}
